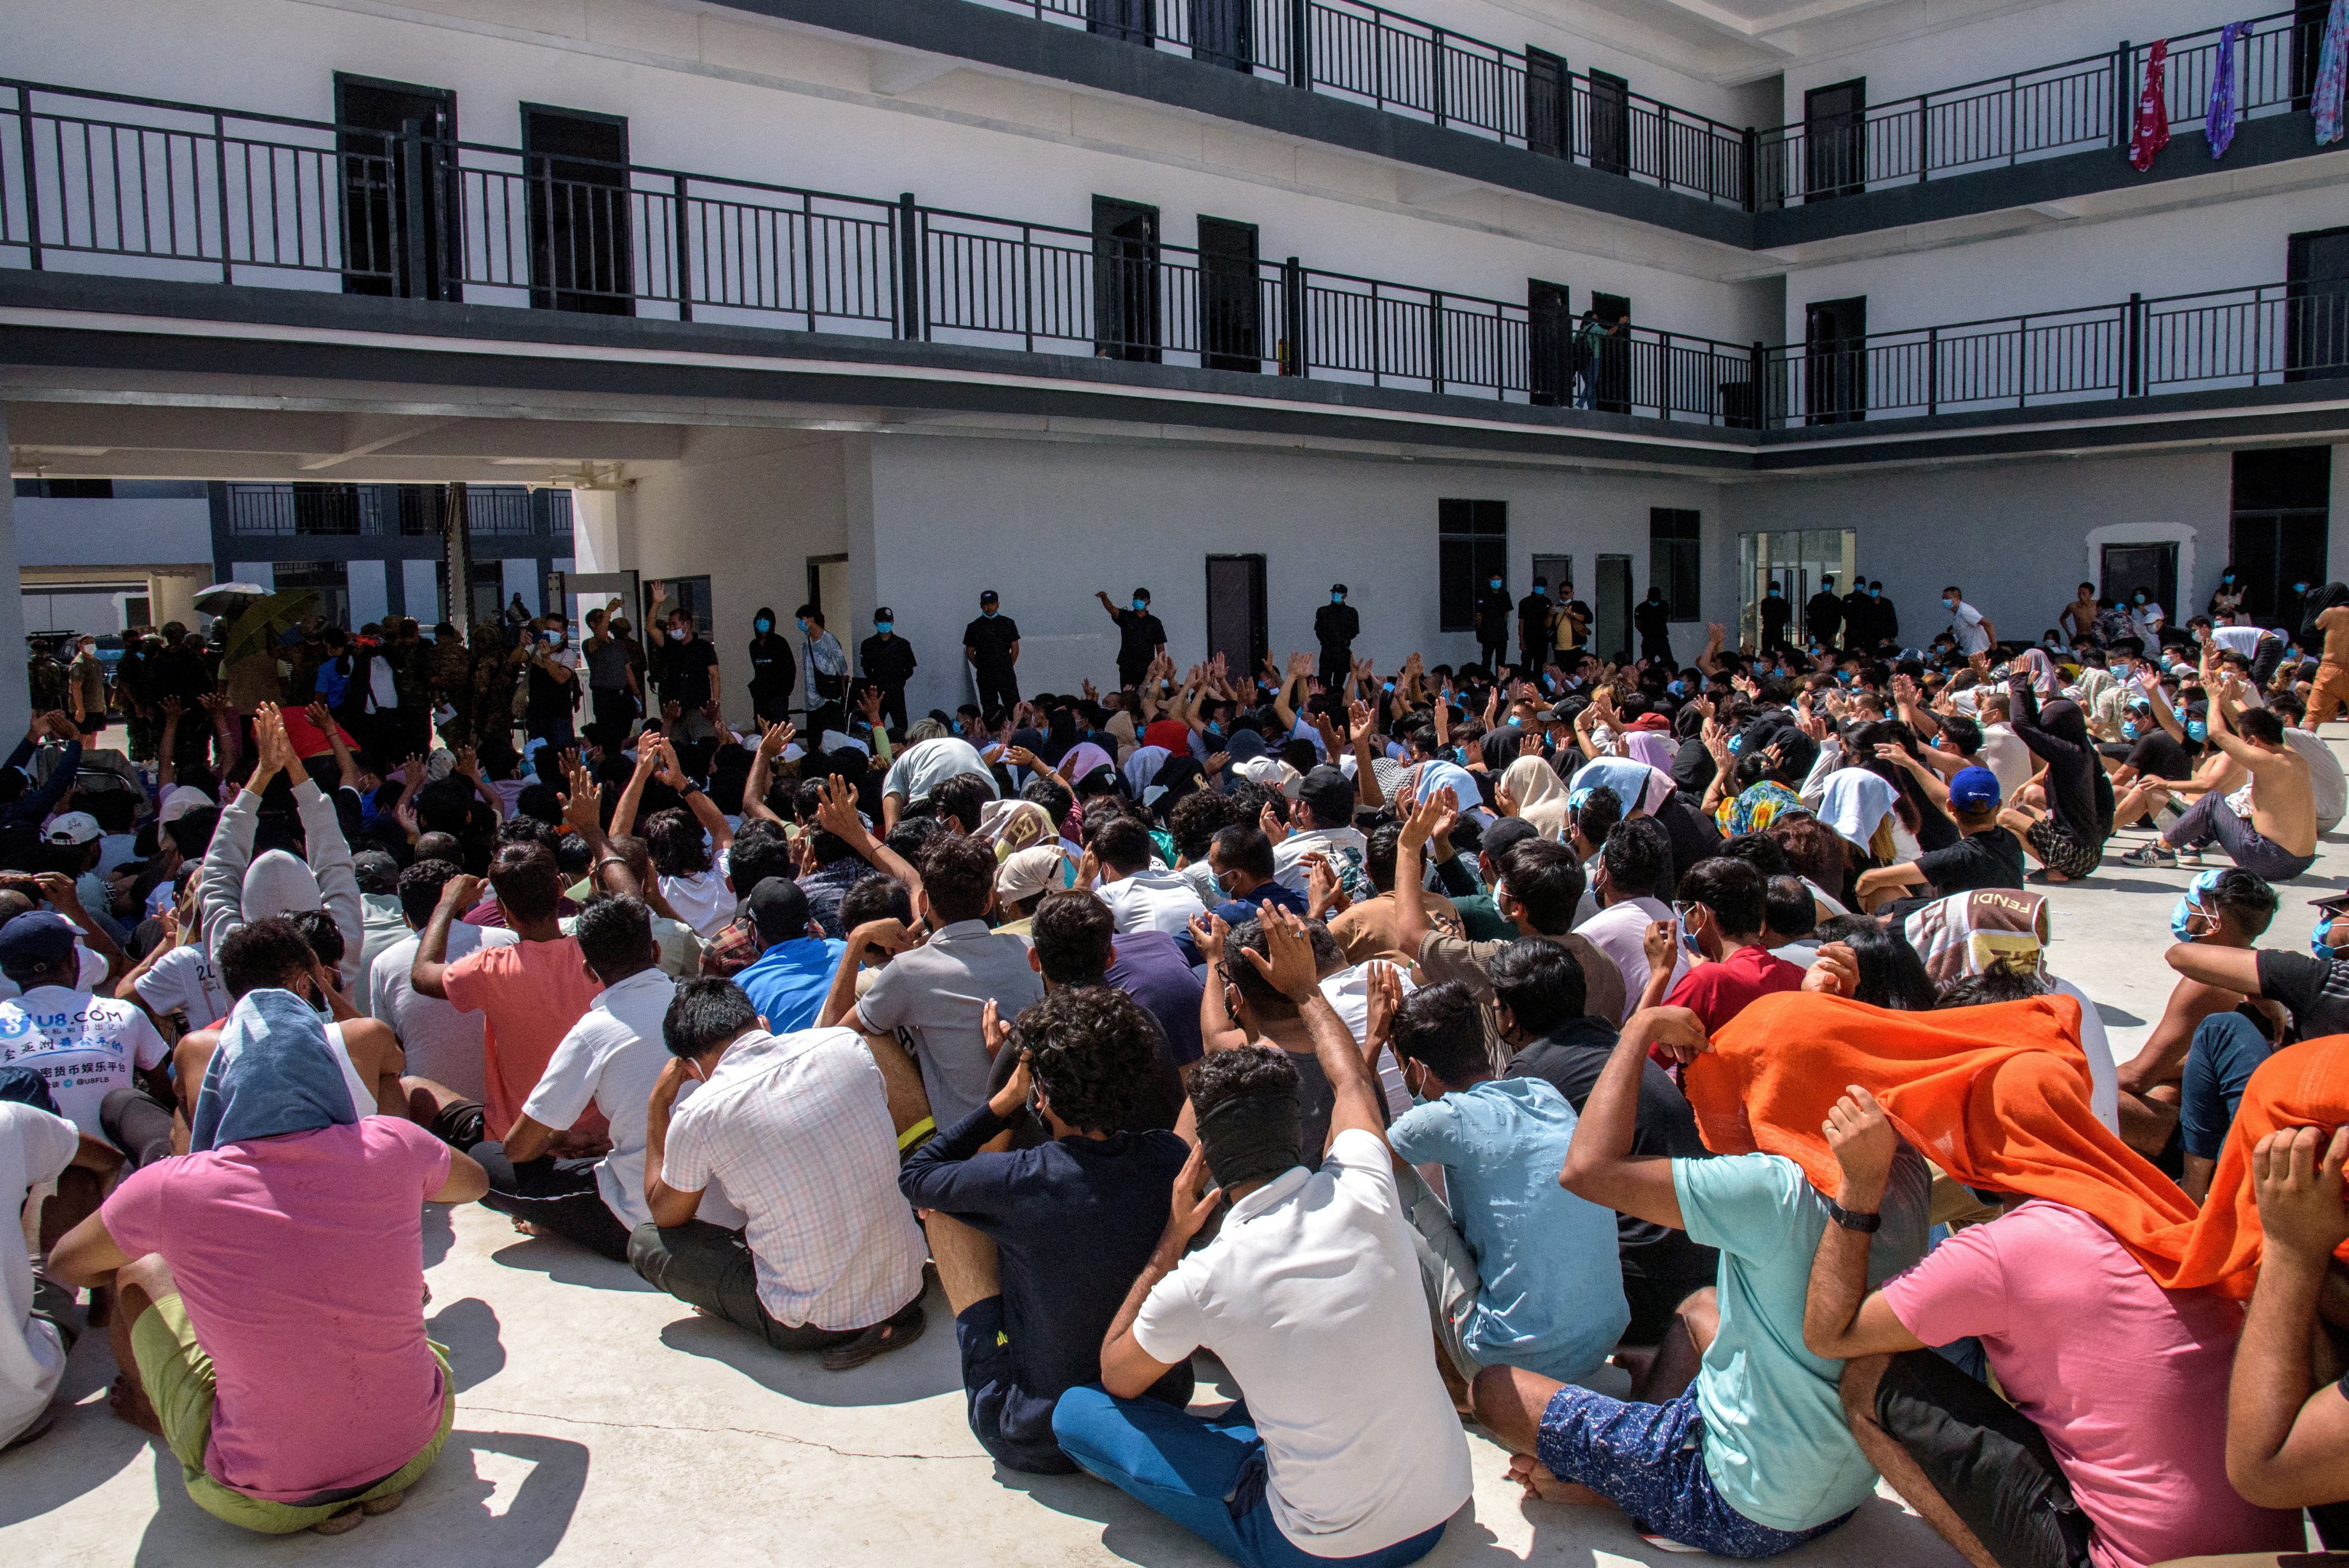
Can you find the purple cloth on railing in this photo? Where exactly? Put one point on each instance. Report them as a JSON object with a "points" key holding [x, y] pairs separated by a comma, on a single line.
{"points": [[2219, 128], [2331, 74]]}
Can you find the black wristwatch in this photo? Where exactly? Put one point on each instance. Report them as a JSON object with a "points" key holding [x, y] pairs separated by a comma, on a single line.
{"points": [[1867, 1225]]}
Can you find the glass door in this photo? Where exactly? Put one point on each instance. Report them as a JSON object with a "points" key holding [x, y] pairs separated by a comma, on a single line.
{"points": [[1798, 560]]}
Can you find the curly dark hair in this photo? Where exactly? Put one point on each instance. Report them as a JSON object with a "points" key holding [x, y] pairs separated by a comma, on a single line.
{"points": [[264, 953], [962, 799], [958, 876], [1238, 1074], [1092, 1048], [679, 850], [1197, 817]]}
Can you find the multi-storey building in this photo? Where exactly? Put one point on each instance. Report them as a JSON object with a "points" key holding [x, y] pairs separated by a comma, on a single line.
{"points": [[890, 301]]}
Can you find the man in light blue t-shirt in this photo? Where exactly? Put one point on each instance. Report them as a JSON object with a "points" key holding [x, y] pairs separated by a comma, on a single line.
{"points": [[1756, 1458], [1519, 1272]]}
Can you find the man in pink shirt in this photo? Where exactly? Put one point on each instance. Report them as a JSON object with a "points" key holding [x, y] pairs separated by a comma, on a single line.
{"points": [[2113, 1447], [530, 994], [269, 1320]]}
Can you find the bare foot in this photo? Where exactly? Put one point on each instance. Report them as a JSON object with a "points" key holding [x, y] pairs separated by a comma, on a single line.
{"points": [[129, 1404], [525, 1227], [1541, 1486]]}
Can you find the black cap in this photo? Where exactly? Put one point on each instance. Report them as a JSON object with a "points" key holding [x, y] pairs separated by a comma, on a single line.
{"points": [[883, 613], [1337, 587], [988, 597], [1330, 794], [778, 908]]}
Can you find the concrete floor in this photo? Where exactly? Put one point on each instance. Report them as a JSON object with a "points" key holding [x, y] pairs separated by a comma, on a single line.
{"points": [[600, 1423]]}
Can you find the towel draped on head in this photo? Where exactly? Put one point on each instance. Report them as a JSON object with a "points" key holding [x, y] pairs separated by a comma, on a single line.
{"points": [[1436, 773], [271, 1075], [1082, 758], [2306, 1085], [1015, 825], [1640, 787], [1653, 747], [1855, 804], [1142, 766], [1540, 795]]}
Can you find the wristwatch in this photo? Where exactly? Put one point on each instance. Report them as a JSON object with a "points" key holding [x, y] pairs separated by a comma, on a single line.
{"points": [[1867, 1225]]}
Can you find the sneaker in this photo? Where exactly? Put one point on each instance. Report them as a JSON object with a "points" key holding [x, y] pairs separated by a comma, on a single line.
{"points": [[2155, 854], [2189, 858]]}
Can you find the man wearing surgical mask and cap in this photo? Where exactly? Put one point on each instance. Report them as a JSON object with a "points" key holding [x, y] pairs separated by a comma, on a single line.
{"points": [[1310, 1281]]}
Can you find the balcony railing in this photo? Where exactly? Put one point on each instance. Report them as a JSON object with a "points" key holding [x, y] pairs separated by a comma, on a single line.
{"points": [[2075, 107], [348, 510], [96, 182], [2223, 339], [1367, 54]]}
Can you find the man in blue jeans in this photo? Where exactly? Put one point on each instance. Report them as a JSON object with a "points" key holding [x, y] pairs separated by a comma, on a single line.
{"points": [[1344, 1448]]}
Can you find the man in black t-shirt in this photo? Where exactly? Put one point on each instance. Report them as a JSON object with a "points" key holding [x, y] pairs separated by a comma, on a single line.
{"points": [[1535, 616], [888, 662], [1858, 619], [1335, 626], [991, 644], [1539, 996], [1141, 636], [686, 664], [1776, 610], [1987, 856], [1823, 615], [1653, 618]]}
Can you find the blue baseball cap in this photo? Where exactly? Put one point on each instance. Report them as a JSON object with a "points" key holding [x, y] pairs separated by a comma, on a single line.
{"points": [[38, 939], [1974, 789]]}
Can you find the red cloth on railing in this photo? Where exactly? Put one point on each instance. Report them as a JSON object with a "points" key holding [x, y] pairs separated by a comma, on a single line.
{"points": [[2152, 110]]}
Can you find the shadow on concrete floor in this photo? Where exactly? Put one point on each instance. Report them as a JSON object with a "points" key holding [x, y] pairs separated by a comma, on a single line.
{"points": [[929, 1366], [468, 1330], [568, 1263]]}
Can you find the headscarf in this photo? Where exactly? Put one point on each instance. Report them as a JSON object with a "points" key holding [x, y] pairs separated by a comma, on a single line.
{"points": [[1015, 825], [1142, 766], [1650, 746], [271, 1075], [2041, 669], [1857, 803], [1437, 774], [1539, 793], [1082, 758], [1244, 746], [1172, 734], [1181, 775], [1640, 787]]}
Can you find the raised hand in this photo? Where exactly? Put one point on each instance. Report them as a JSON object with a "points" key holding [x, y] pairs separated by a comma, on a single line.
{"points": [[1208, 932], [1286, 962]]}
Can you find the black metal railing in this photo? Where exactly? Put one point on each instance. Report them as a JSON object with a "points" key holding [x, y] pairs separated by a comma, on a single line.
{"points": [[292, 510], [2075, 106], [2222, 339], [110, 183], [1368, 54]]}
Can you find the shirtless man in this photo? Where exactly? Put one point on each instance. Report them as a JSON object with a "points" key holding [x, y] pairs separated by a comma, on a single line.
{"points": [[271, 952], [2078, 618], [2279, 841], [2331, 692]]}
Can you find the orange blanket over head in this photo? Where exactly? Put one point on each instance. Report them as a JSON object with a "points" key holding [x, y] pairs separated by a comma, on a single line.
{"points": [[1998, 1096]]}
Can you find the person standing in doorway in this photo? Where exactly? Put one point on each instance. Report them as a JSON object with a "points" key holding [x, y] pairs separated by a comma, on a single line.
{"points": [[991, 646], [1494, 610], [689, 675], [612, 689], [1535, 614], [1335, 626], [1141, 638], [888, 662], [552, 673], [1653, 618], [1823, 616], [1573, 627], [1776, 612], [774, 670], [1888, 615], [86, 679], [1858, 619], [827, 676]]}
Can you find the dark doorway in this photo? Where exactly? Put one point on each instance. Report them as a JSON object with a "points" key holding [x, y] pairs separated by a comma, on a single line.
{"points": [[1472, 548], [1126, 280], [1834, 361], [1231, 311], [581, 243], [2316, 306], [1549, 344], [1127, 19], [2283, 525], [397, 145], [1835, 140], [1237, 624], [1610, 124], [2127, 568], [2308, 20], [1610, 610], [1222, 33], [1612, 393], [1549, 112]]}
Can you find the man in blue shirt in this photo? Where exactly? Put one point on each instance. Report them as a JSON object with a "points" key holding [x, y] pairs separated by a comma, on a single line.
{"points": [[1240, 856], [1060, 1228], [793, 972], [1519, 1272]]}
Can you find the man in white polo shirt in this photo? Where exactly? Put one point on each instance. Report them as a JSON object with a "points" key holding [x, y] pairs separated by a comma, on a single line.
{"points": [[1973, 629], [1142, 894]]}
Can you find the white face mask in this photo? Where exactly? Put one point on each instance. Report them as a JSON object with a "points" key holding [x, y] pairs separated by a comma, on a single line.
{"points": [[677, 633]]}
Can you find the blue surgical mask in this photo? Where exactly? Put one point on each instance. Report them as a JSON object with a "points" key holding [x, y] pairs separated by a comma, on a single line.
{"points": [[884, 626], [2191, 906], [1336, 598], [762, 625], [2129, 729], [1515, 721], [1949, 602], [1495, 582], [677, 633], [2300, 587], [1876, 593], [1675, 688], [1386, 685], [986, 614], [1736, 744], [2197, 731], [2227, 577], [2316, 940], [804, 627], [1142, 603]]}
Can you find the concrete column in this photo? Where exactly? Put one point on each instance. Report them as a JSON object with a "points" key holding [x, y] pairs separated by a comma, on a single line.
{"points": [[595, 531], [175, 595], [15, 695]]}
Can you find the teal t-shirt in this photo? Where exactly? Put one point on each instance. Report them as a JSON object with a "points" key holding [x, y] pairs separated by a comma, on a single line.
{"points": [[1550, 1291], [1775, 1441]]}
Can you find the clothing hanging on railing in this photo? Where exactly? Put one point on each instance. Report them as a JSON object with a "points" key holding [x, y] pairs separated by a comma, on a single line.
{"points": [[2153, 107], [2331, 74], [2219, 129]]}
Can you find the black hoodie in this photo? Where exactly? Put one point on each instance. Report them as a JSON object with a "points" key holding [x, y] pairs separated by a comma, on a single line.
{"points": [[775, 670]]}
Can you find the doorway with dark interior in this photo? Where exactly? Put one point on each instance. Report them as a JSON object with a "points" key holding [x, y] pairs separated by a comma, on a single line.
{"points": [[1126, 280], [1834, 361], [395, 146], [1610, 610], [1231, 308], [1128, 20], [2316, 306], [1611, 363], [1835, 140], [1610, 124], [1549, 344], [1549, 105], [582, 239], [1237, 622], [2283, 524], [1222, 33], [2150, 566]]}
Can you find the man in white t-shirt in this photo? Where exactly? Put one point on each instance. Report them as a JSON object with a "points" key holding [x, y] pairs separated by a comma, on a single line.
{"points": [[39, 1328], [84, 1047], [444, 1045], [922, 766], [1634, 870], [1973, 630], [610, 1059], [1345, 1447], [183, 981], [1142, 894]]}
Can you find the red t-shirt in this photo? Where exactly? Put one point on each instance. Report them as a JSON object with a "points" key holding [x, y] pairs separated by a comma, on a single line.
{"points": [[531, 993], [307, 739], [1717, 993], [300, 1262]]}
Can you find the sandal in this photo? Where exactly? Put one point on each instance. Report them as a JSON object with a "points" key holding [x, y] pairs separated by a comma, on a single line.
{"points": [[878, 1340], [341, 1521], [385, 1503]]}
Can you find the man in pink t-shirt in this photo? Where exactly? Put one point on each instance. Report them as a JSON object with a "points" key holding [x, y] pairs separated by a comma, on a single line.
{"points": [[269, 1320], [531, 993], [2113, 1443]]}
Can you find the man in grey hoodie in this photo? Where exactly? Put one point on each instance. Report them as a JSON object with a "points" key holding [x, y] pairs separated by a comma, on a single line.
{"points": [[237, 887]]}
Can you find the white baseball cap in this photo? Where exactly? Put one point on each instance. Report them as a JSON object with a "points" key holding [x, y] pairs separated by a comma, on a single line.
{"points": [[74, 828], [182, 799]]}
